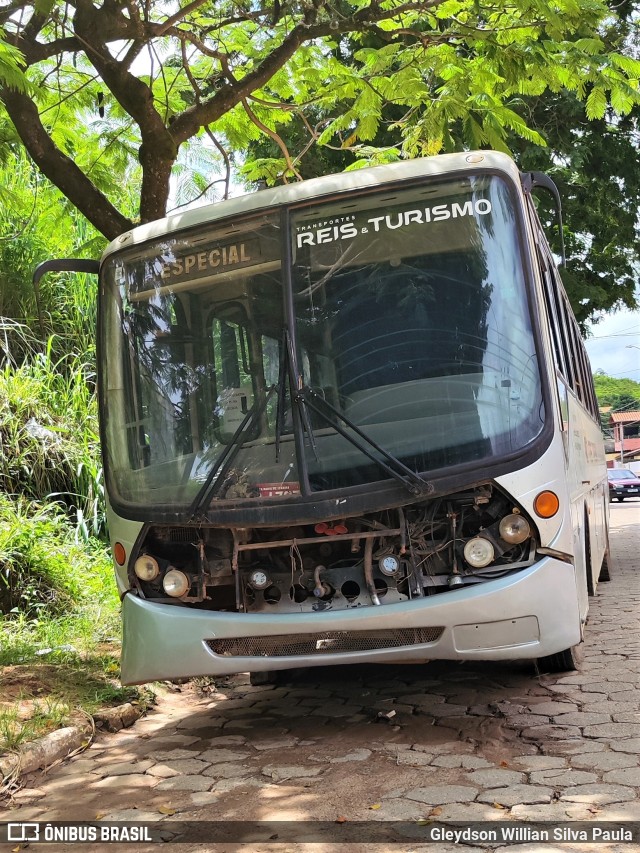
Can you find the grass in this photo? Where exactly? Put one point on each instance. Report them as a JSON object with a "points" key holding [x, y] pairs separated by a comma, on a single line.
{"points": [[49, 433], [59, 635]]}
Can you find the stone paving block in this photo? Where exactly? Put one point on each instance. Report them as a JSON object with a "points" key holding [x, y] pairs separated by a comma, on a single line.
{"points": [[189, 766], [613, 730], [600, 761], [551, 709], [561, 778], [516, 794], [621, 811], [126, 768], [575, 746], [397, 809], [631, 745], [437, 795], [185, 783], [225, 740], [608, 687], [525, 721], [552, 812], [467, 762], [280, 774], [224, 786], [173, 754], [163, 771], [627, 717], [203, 798], [551, 731], [495, 778], [124, 783], [468, 813], [598, 794], [357, 755], [623, 776], [218, 756], [132, 815], [529, 763], [208, 721], [173, 741], [228, 770], [581, 718]]}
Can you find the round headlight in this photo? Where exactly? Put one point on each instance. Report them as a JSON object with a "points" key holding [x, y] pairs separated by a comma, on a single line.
{"points": [[259, 579], [514, 529], [478, 552], [146, 568], [176, 583], [389, 565]]}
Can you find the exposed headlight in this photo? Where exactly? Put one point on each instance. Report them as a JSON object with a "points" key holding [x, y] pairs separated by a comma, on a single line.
{"points": [[478, 552], [146, 568], [259, 579], [176, 583], [514, 529]]}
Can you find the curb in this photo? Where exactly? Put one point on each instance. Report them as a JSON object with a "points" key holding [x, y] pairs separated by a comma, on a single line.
{"points": [[60, 744], [43, 752]]}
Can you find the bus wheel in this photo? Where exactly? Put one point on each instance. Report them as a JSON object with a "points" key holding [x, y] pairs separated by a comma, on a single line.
{"points": [[566, 661], [605, 569], [270, 676], [620, 499]]}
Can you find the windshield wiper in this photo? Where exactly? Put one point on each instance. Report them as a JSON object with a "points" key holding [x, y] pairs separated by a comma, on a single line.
{"points": [[412, 481], [217, 475]]}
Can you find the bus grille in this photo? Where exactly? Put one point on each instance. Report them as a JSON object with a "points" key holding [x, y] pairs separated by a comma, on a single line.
{"points": [[328, 642]]}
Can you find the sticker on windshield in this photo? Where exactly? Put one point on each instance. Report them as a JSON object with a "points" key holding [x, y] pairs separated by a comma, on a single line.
{"points": [[278, 490], [345, 228]]}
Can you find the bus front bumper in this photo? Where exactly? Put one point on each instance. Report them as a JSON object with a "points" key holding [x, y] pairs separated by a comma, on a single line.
{"points": [[527, 615]]}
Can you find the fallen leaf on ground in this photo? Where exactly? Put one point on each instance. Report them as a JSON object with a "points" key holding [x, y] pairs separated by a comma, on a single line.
{"points": [[166, 810]]}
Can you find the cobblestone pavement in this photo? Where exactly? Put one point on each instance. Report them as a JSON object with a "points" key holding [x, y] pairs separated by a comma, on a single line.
{"points": [[467, 742]]}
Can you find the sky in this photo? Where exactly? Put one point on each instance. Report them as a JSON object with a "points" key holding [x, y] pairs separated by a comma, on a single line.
{"points": [[614, 345]]}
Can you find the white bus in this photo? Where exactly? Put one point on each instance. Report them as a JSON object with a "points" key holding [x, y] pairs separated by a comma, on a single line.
{"points": [[349, 420]]}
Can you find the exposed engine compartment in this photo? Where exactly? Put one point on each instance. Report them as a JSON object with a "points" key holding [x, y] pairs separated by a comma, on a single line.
{"points": [[427, 548]]}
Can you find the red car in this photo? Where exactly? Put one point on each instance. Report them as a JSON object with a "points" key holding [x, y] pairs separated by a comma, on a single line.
{"points": [[623, 483]]}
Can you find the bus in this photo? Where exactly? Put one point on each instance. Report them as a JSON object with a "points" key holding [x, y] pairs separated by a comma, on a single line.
{"points": [[349, 420]]}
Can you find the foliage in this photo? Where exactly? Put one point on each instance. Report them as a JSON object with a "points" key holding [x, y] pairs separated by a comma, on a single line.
{"points": [[621, 394], [43, 566], [49, 436], [428, 73], [39, 223]]}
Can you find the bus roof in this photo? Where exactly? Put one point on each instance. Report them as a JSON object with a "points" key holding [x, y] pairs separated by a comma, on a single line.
{"points": [[314, 188]]}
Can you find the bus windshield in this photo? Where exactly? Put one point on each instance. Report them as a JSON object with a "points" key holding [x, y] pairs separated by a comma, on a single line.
{"points": [[410, 321]]}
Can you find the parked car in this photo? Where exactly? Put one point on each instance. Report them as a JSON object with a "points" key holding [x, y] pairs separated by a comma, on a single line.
{"points": [[623, 483]]}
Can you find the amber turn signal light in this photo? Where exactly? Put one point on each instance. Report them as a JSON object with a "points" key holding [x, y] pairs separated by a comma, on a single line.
{"points": [[546, 504], [119, 554]]}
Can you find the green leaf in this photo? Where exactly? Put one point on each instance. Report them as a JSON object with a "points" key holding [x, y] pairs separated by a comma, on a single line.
{"points": [[596, 103]]}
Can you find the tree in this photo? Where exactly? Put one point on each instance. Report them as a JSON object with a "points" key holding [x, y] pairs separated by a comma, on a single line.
{"points": [[235, 70], [621, 394]]}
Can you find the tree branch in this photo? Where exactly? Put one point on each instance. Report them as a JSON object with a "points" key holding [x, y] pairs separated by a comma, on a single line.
{"points": [[60, 169]]}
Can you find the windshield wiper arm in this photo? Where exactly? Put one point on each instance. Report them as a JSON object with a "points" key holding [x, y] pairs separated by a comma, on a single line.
{"points": [[412, 481], [215, 477]]}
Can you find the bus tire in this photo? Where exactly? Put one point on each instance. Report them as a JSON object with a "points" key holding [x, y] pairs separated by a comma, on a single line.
{"points": [[567, 660], [620, 499], [269, 676], [605, 568], [587, 555]]}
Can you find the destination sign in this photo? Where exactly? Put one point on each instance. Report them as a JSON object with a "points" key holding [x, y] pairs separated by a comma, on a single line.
{"points": [[211, 260]]}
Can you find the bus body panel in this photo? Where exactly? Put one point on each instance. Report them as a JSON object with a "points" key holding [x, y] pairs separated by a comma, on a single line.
{"points": [[537, 610], [163, 641]]}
